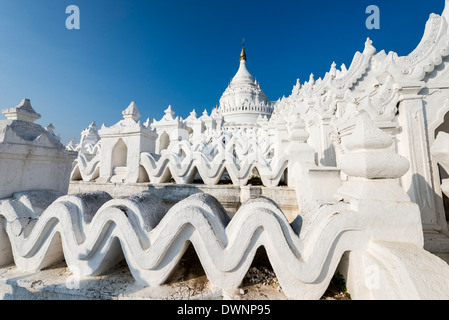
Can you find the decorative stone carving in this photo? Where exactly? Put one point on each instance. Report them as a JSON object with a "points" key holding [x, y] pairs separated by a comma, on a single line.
{"points": [[367, 153], [23, 112], [31, 157], [121, 146]]}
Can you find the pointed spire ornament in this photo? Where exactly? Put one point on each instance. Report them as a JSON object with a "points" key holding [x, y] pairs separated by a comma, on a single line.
{"points": [[333, 71], [50, 128], [369, 48], [169, 113], [93, 126], [131, 112], [243, 53], [312, 79], [23, 112]]}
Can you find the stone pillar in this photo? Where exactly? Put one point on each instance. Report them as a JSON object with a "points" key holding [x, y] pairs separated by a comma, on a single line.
{"points": [[328, 157], [370, 165], [413, 144], [281, 135], [387, 261], [313, 184], [440, 152], [106, 159], [301, 157], [196, 125], [298, 150], [209, 123], [321, 126]]}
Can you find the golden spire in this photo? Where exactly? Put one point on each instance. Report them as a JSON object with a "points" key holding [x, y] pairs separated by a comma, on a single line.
{"points": [[243, 54]]}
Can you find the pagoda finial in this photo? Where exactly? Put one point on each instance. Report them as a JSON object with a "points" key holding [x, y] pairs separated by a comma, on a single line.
{"points": [[24, 112], [131, 112], [243, 54], [369, 48]]}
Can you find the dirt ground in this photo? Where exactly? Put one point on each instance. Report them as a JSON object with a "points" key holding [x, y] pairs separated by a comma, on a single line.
{"points": [[260, 283]]}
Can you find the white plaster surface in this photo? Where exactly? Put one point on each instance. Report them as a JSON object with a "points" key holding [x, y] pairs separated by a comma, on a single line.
{"points": [[31, 157], [361, 149]]}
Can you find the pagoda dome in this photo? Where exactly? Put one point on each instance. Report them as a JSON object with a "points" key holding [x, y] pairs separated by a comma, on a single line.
{"points": [[243, 100]]}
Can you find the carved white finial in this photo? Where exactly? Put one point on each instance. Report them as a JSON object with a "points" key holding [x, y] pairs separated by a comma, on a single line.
{"points": [[131, 112], [147, 123], [312, 79], [23, 112], [368, 153], [71, 146], [50, 128], [333, 70], [369, 48], [344, 70], [169, 111], [297, 87]]}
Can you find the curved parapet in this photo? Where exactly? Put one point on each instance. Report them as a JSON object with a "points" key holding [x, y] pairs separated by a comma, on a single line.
{"points": [[238, 154], [429, 54], [85, 170], [92, 231], [184, 168]]}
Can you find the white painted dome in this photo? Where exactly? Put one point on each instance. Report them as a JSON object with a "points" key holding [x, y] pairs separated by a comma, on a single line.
{"points": [[244, 101], [243, 76]]}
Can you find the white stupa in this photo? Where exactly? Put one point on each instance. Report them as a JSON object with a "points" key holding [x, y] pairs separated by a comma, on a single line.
{"points": [[243, 100]]}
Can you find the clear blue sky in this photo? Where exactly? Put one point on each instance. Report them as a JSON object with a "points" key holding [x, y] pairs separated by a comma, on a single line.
{"points": [[180, 52]]}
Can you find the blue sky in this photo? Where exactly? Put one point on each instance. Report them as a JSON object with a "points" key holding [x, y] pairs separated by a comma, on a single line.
{"points": [[180, 52]]}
